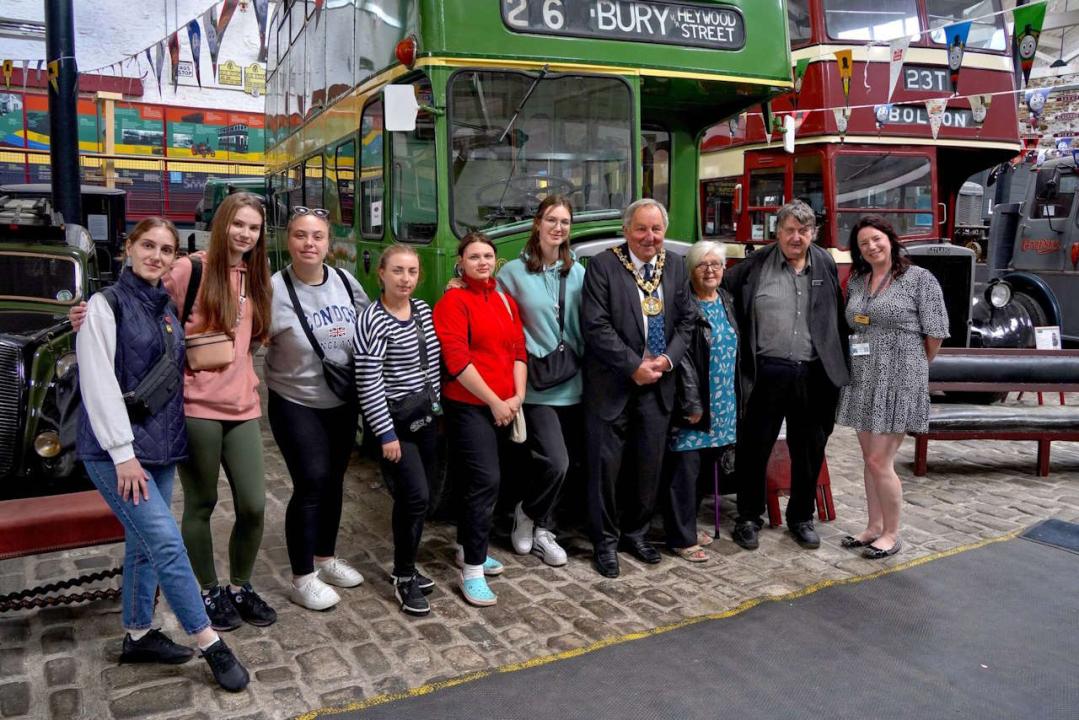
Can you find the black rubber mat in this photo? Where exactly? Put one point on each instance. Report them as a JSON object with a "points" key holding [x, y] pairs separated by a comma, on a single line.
{"points": [[1056, 533], [988, 633]]}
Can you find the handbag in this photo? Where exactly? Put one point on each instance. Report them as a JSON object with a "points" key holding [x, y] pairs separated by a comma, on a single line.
{"points": [[416, 410], [562, 363], [518, 429], [340, 377], [205, 350]]}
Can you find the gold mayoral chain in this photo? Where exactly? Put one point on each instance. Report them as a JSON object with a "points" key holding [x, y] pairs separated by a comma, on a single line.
{"points": [[651, 304]]}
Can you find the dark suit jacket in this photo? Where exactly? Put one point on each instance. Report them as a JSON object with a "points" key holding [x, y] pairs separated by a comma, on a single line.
{"points": [[827, 325], [615, 335]]}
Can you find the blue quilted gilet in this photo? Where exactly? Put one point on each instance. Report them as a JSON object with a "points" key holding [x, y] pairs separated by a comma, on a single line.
{"points": [[160, 439]]}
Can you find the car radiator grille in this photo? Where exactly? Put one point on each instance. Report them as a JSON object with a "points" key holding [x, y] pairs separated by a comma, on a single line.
{"points": [[11, 391]]}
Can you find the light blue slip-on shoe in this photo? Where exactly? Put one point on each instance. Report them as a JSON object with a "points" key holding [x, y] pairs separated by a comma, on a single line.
{"points": [[477, 593], [491, 567]]}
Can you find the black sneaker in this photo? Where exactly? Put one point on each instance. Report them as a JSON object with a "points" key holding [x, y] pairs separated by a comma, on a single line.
{"points": [[154, 647], [227, 670], [426, 584], [252, 608], [219, 608], [411, 597]]}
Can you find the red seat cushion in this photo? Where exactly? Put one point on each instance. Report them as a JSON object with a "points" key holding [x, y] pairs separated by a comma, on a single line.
{"points": [[57, 522]]}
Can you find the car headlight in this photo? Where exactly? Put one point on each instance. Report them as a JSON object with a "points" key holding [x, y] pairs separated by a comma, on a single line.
{"points": [[999, 294], [65, 363], [47, 444]]}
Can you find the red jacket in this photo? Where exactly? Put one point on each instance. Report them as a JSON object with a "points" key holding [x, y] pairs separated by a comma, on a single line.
{"points": [[475, 328]]}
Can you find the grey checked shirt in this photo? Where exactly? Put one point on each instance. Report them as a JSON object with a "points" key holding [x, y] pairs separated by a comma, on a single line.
{"points": [[781, 311]]}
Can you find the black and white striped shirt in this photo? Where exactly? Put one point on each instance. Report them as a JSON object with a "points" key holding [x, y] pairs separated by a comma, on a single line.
{"points": [[388, 362]]}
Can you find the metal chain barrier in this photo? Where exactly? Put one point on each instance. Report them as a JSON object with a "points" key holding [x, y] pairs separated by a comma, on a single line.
{"points": [[32, 597]]}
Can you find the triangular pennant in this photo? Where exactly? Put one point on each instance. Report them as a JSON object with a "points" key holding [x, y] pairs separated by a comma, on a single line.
{"points": [[223, 22], [149, 60], [209, 28], [1036, 103], [8, 69], [262, 9], [935, 109], [881, 114], [845, 60], [897, 53], [842, 118], [194, 38], [174, 59], [799, 73], [1028, 28], [318, 10], [979, 108], [160, 65], [957, 43], [25, 73], [54, 75]]}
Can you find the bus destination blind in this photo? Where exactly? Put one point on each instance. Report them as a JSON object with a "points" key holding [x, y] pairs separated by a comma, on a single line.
{"points": [[716, 27]]}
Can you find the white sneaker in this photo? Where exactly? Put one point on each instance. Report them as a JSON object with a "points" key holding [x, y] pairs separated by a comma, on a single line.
{"points": [[547, 549], [522, 531], [314, 595], [337, 571]]}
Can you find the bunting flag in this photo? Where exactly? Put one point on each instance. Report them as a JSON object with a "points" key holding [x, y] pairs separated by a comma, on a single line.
{"points": [[194, 37], [1036, 103], [213, 41], [159, 52], [1028, 27], [881, 113], [979, 108], [262, 11], [149, 60], [54, 75], [842, 118], [897, 54], [25, 73], [845, 60], [935, 109], [226, 15], [790, 127], [174, 58], [957, 43], [318, 10], [8, 70], [734, 123], [766, 118], [799, 74]]}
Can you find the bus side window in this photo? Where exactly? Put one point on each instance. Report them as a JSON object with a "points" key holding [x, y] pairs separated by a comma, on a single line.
{"points": [[345, 166], [371, 178], [312, 171], [415, 208], [295, 187]]}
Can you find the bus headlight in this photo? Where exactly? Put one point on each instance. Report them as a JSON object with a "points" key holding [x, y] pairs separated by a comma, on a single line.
{"points": [[47, 444], [65, 363], [998, 294]]}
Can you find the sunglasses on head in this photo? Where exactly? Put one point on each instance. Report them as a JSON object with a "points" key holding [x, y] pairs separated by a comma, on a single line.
{"points": [[317, 212]]}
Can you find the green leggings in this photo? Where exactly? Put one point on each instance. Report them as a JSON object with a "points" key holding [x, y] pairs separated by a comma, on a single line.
{"points": [[237, 445]]}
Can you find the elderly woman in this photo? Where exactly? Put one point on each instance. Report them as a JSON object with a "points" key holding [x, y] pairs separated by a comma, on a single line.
{"points": [[706, 412], [897, 320]]}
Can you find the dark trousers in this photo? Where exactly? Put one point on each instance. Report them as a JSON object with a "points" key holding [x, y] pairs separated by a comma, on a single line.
{"points": [[478, 446], [689, 475], [801, 394], [624, 459], [316, 444], [554, 436], [408, 481]]}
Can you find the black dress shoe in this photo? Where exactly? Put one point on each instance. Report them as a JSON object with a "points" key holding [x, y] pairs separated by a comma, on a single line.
{"points": [[606, 563], [805, 535], [745, 535], [642, 550], [154, 647]]}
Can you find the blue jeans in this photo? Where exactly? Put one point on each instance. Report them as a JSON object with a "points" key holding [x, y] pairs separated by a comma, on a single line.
{"points": [[154, 552]]}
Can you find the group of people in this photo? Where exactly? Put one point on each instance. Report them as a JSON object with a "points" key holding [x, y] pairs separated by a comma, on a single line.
{"points": [[645, 368]]}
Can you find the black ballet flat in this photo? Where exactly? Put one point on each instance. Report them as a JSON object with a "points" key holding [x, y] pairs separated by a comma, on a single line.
{"points": [[872, 552], [849, 542]]}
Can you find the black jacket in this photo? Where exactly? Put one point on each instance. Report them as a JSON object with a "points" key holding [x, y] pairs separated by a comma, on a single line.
{"points": [[692, 387]]}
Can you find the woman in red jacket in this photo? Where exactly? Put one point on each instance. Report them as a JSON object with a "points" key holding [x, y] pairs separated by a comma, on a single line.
{"points": [[483, 349]]}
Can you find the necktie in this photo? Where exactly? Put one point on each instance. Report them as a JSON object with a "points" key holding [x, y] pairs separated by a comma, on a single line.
{"points": [[657, 343]]}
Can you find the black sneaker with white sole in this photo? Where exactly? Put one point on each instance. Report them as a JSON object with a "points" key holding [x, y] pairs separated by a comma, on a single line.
{"points": [[426, 584], [219, 608], [411, 597], [252, 608]]}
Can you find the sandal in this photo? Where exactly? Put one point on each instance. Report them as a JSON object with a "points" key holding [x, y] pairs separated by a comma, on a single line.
{"points": [[693, 553], [704, 539]]}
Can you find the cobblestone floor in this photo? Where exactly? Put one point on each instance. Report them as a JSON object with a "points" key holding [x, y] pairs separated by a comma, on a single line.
{"points": [[62, 663]]}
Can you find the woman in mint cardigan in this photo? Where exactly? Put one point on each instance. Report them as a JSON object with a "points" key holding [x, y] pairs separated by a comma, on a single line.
{"points": [[552, 415]]}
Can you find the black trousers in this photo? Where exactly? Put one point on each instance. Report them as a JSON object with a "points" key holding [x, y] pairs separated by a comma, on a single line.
{"points": [[316, 444], [624, 461], [688, 475], [554, 436], [801, 394], [408, 481], [478, 447]]}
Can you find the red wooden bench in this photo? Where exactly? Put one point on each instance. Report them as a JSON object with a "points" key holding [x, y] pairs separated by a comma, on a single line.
{"points": [[56, 522]]}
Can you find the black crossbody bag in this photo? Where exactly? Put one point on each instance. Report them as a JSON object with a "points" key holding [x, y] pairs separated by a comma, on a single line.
{"points": [[416, 410], [562, 363], [161, 383], [340, 377]]}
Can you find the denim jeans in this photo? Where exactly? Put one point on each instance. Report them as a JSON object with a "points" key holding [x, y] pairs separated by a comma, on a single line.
{"points": [[153, 551]]}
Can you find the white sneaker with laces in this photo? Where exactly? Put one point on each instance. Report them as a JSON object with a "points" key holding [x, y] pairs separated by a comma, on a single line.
{"points": [[337, 571], [547, 549], [522, 531], [314, 595]]}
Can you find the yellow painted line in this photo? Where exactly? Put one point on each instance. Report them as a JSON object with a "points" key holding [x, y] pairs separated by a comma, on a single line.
{"points": [[620, 639]]}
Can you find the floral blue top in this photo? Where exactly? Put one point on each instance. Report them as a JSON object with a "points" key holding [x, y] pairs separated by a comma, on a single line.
{"points": [[721, 378]]}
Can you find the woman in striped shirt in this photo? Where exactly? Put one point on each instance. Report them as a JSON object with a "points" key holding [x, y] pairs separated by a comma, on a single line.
{"points": [[397, 378]]}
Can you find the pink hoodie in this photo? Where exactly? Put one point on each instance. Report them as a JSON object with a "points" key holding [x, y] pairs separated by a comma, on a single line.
{"points": [[229, 393]]}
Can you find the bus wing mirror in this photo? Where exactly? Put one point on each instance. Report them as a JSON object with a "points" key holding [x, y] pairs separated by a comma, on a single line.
{"points": [[401, 108]]}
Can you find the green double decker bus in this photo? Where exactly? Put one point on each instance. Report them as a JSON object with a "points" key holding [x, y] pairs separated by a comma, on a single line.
{"points": [[603, 101]]}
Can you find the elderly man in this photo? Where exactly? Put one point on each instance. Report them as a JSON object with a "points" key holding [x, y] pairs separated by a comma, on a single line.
{"points": [[636, 317], [789, 309]]}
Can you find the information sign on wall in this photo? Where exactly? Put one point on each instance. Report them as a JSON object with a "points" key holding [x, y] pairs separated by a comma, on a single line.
{"points": [[230, 73]]}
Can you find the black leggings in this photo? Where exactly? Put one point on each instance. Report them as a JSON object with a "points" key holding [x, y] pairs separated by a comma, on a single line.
{"points": [[408, 480], [316, 444]]}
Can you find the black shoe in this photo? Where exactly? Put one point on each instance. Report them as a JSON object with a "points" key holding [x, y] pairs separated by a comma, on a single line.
{"points": [[745, 534], [872, 552], [410, 595], [640, 549], [154, 647], [805, 535], [426, 584], [606, 563], [849, 541], [252, 608], [227, 670], [219, 608]]}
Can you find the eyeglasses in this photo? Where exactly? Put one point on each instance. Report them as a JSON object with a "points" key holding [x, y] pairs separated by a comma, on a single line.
{"points": [[556, 222], [317, 212], [710, 266]]}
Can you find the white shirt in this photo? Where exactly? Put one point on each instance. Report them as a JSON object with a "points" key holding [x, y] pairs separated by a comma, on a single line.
{"points": [[95, 345]]}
